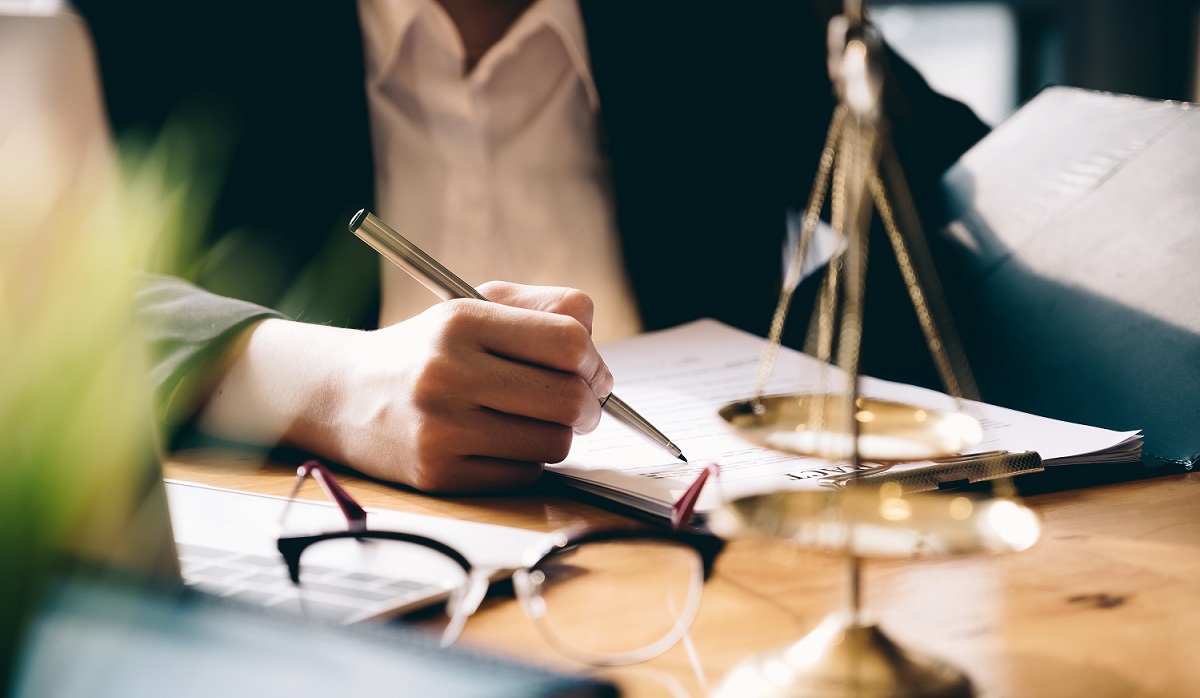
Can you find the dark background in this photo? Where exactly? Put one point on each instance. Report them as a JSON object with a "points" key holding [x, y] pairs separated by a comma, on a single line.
{"points": [[1139, 47]]}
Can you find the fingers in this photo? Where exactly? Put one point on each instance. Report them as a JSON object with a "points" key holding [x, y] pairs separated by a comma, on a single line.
{"points": [[477, 474], [538, 338], [474, 377], [483, 450], [548, 299], [488, 434], [467, 474]]}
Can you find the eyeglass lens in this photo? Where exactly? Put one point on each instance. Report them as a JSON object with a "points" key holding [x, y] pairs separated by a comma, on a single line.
{"points": [[350, 579], [615, 601]]}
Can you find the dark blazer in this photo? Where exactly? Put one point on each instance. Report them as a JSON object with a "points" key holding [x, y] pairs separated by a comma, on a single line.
{"points": [[713, 118]]}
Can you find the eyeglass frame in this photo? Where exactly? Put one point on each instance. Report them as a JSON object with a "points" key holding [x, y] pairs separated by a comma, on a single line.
{"points": [[708, 547]]}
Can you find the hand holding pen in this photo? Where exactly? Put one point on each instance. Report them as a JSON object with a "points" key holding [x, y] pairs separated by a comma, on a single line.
{"points": [[527, 353]]}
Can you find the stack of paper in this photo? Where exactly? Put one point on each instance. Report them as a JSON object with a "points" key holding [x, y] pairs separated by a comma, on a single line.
{"points": [[679, 378]]}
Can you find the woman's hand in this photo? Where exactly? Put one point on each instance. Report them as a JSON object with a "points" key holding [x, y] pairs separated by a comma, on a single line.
{"points": [[468, 396]]}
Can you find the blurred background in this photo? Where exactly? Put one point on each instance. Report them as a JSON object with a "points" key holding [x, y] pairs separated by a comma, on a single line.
{"points": [[995, 55]]}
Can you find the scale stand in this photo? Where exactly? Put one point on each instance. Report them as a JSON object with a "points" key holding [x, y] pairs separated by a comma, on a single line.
{"points": [[847, 654]]}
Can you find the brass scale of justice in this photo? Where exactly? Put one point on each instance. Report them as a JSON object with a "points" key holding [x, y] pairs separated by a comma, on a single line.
{"points": [[847, 654]]}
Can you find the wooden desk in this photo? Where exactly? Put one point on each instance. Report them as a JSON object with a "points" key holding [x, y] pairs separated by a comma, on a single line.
{"points": [[1104, 605]]}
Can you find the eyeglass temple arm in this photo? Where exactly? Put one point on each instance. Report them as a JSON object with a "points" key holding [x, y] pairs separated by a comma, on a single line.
{"points": [[684, 510], [356, 516]]}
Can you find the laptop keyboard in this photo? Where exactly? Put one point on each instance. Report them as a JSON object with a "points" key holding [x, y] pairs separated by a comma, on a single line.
{"points": [[332, 594]]}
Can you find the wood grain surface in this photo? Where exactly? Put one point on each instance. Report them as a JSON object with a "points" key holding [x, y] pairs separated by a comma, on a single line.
{"points": [[1104, 605]]}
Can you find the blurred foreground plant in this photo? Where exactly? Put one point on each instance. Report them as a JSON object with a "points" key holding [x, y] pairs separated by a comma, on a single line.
{"points": [[75, 428]]}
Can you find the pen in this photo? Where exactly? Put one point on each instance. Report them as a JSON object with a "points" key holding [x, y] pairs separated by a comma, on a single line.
{"points": [[447, 285], [947, 472]]}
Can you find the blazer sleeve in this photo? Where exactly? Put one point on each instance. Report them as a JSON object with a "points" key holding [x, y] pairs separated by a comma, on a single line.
{"points": [[189, 333]]}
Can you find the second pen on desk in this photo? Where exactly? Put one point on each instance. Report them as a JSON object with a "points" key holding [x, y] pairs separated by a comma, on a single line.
{"points": [[447, 285]]}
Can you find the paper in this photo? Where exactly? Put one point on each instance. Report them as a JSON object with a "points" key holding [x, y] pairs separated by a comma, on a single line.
{"points": [[679, 378]]}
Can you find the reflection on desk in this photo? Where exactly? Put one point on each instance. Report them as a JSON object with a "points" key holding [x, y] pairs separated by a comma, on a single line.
{"points": [[1102, 606]]}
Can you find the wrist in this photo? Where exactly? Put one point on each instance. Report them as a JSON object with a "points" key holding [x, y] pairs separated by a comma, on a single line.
{"points": [[284, 385]]}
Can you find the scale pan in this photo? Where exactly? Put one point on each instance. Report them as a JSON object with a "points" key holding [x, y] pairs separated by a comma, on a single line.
{"points": [[882, 523], [814, 424]]}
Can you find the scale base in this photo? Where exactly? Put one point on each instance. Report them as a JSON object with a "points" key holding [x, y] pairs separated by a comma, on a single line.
{"points": [[844, 657]]}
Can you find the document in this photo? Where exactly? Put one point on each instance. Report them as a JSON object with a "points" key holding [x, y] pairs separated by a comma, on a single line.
{"points": [[678, 379]]}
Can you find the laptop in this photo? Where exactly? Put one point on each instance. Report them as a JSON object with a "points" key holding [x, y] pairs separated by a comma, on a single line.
{"points": [[226, 545]]}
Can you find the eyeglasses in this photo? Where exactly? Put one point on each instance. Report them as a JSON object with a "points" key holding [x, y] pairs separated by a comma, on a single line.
{"points": [[605, 597]]}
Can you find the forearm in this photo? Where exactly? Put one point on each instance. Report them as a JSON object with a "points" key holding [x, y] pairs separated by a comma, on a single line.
{"points": [[284, 384]]}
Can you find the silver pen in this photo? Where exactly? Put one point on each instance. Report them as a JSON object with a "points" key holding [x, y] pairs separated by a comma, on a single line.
{"points": [[447, 285], [953, 470]]}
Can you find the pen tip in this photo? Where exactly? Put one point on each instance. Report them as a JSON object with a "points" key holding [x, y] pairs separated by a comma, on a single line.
{"points": [[680, 457]]}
